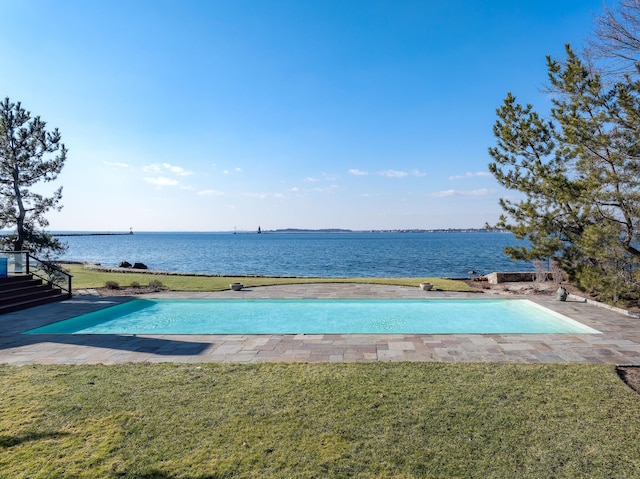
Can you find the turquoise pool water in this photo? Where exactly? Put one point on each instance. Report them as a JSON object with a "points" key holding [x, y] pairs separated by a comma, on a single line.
{"points": [[320, 316]]}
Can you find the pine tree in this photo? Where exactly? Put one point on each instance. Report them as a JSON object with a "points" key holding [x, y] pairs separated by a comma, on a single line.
{"points": [[29, 155], [579, 174]]}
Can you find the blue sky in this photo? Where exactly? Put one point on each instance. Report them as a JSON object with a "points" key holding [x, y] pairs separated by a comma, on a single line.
{"points": [[215, 115]]}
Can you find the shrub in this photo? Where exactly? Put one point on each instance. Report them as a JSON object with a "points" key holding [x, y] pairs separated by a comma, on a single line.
{"points": [[112, 285], [155, 284], [134, 284]]}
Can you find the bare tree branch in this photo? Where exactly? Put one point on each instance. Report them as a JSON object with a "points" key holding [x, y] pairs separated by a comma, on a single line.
{"points": [[617, 38]]}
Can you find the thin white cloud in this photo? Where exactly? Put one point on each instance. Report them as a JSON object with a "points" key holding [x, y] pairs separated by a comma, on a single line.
{"points": [[481, 192], [153, 168], [260, 196], [264, 196], [374, 195], [400, 174], [166, 168], [210, 193], [176, 169], [327, 189], [443, 194], [393, 173], [294, 189], [160, 178], [162, 181], [357, 172], [447, 193], [470, 174], [117, 164], [311, 179], [239, 170]]}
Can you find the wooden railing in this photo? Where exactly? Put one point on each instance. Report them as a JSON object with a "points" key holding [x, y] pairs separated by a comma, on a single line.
{"points": [[23, 262]]}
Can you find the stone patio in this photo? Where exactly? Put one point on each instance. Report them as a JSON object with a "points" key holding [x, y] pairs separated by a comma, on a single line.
{"points": [[619, 342]]}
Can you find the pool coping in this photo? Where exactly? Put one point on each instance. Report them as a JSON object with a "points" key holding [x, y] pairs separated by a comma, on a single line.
{"points": [[619, 342]]}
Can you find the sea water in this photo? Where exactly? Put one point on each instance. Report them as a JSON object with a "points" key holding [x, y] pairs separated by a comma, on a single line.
{"points": [[437, 254]]}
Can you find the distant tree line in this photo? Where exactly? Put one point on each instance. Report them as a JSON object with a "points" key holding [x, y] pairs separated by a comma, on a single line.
{"points": [[577, 169]]}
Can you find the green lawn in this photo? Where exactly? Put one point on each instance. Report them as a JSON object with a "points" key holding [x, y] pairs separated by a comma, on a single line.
{"points": [[86, 278], [375, 420]]}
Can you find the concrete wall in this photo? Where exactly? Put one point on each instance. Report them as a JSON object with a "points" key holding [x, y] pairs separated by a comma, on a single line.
{"points": [[497, 278]]}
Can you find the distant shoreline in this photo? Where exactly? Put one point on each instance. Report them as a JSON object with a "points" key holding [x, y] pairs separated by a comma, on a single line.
{"points": [[439, 230], [286, 231], [91, 234]]}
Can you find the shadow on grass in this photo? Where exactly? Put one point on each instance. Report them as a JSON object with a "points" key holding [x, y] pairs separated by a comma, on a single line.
{"points": [[10, 441]]}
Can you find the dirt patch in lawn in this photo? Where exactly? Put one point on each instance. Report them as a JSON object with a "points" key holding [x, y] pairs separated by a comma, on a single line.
{"points": [[120, 291], [631, 376]]}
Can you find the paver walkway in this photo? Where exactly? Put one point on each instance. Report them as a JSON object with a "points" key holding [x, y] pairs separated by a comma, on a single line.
{"points": [[619, 342]]}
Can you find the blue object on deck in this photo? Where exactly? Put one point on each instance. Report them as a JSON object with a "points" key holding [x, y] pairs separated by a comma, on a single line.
{"points": [[3, 268]]}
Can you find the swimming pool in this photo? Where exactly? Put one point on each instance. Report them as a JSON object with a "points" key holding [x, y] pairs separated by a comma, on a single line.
{"points": [[320, 316]]}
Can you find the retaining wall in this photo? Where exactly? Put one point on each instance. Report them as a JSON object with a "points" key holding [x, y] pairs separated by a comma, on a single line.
{"points": [[514, 277]]}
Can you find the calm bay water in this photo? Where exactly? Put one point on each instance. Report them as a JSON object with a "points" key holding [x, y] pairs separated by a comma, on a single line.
{"points": [[305, 254]]}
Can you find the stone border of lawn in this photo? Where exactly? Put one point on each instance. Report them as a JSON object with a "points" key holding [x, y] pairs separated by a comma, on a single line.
{"points": [[631, 314], [115, 269]]}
